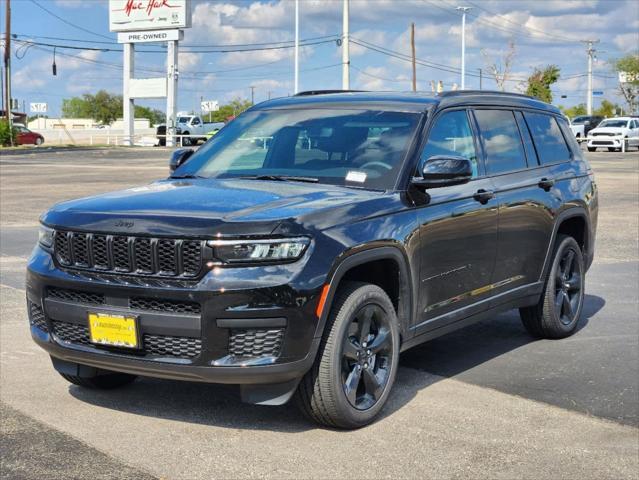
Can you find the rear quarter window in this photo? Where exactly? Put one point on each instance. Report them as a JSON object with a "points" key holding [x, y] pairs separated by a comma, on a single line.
{"points": [[549, 141]]}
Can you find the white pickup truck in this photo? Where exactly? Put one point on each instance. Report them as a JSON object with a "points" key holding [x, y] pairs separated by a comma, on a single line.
{"points": [[191, 125]]}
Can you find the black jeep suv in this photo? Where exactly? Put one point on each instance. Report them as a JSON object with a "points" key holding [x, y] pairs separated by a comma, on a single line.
{"points": [[314, 238]]}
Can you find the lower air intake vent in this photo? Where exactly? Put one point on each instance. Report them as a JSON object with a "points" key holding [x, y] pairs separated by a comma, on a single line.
{"points": [[36, 317], [155, 345], [75, 296], [144, 303], [256, 342]]}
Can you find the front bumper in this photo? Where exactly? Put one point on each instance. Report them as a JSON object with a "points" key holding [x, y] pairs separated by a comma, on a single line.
{"points": [[183, 343], [606, 141]]}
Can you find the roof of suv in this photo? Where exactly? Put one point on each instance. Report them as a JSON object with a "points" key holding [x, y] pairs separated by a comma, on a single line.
{"points": [[406, 101]]}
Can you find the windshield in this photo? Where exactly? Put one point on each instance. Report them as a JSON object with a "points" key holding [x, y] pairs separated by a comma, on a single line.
{"points": [[357, 148], [614, 123], [183, 119], [579, 120]]}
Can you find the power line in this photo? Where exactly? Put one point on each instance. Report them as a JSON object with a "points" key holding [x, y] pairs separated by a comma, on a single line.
{"points": [[67, 22], [217, 50], [558, 37]]}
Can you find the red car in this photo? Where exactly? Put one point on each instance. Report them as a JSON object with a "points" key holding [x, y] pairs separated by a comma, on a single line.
{"points": [[27, 137]]}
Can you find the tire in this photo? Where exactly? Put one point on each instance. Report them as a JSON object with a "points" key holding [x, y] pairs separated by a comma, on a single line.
{"points": [[558, 311], [186, 141], [101, 382], [343, 358], [612, 149], [592, 149], [39, 141]]}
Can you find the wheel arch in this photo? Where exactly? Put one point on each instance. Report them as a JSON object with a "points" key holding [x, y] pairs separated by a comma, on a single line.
{"points": [[368, 266], [574, 222]]}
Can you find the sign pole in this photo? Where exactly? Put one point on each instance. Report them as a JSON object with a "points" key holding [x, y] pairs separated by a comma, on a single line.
{"points": [[129, 104], [171, 98]]}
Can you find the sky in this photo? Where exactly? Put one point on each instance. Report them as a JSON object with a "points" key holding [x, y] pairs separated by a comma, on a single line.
{"points": [[543, 32]]}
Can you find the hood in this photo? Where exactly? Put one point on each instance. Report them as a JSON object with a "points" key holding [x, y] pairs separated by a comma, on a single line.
{"points": [[615, 130], [205, 207]]}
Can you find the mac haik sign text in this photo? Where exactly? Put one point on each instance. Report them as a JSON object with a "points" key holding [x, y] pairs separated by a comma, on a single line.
{"points": [[127, 15]]}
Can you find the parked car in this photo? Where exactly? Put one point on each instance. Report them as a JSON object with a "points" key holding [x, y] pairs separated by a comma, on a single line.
{"points": [[578, 130], [194, 128], [160, 133], [301, 266], [615, 134], [588, 121], [28, 137]]}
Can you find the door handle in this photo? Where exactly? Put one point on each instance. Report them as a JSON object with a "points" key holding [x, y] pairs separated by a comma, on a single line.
{"points": [[482, 196], [546, 183]]}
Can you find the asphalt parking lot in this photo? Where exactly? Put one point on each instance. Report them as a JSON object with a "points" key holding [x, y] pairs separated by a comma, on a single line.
{"points": [[487, 401]]}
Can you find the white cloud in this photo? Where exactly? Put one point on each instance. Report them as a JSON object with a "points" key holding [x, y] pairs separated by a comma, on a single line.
{"points": [[627, 41]]}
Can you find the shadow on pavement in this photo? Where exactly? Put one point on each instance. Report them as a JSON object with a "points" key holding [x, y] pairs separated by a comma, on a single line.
{"points": [[474, 345], [220, 405]]}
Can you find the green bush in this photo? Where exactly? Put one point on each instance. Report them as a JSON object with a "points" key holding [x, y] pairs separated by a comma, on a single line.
{"points": [[7, 133]]}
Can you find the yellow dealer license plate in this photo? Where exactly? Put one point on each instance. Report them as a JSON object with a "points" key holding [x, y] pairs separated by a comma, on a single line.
{"points": [[116, 330]]}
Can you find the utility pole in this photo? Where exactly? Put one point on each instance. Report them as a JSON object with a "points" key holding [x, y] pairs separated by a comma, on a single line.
{"points": [[346, 61], [171, 92], [412, 48], [7, 65], [463, 51], [252, 94], [480, 78], [297, 46], [128, 102], [591, 54]]}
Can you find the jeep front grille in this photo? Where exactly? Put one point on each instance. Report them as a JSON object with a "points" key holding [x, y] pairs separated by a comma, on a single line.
{"points": [[130, 255]]}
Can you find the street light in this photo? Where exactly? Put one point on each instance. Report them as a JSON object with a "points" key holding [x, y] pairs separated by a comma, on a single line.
{"points": [[463, 52]]}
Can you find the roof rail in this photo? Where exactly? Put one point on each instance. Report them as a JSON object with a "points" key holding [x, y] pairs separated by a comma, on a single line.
{"points": [[454, 93], [324, 92]]}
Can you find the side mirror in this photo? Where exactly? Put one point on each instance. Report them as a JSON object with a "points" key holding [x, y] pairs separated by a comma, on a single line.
{"points": [[178, 157], [444, 171]]}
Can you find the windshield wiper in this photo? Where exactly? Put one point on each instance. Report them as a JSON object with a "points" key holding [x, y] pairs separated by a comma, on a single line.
{"points": [[282, 178], [188, 175]]}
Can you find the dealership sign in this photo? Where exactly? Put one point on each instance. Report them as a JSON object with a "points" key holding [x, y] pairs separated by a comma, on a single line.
{"points": [[209, 106], [128, 15], [626, 77], [38, 107], [150, 36]]}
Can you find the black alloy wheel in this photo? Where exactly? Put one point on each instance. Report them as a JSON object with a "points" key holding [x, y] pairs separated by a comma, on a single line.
{"points": [[357, 361], [366, 357], [568, 286], [557, 313]]}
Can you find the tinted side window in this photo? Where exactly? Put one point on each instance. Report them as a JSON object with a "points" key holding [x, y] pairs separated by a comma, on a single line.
{"points": [[525, 136], [501, 139], [451, 135], [550, 143]]}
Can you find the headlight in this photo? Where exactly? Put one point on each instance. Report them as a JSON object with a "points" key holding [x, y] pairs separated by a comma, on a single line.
{"points": [[255, 251], [45, 236]]}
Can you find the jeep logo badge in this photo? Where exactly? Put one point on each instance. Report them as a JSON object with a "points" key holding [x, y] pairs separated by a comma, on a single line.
{"points": [[124, 223]]}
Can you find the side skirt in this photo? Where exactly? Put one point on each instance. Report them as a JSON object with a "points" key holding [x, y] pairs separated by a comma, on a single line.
{"points": [[523, 296]]}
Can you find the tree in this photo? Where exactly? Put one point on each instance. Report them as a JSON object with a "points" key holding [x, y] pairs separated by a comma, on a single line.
{"points": [[540, 81], [575, 111], [629, 89], [104, 108], [154, 115], [606, 109], [230, 110], [501, 68]]}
